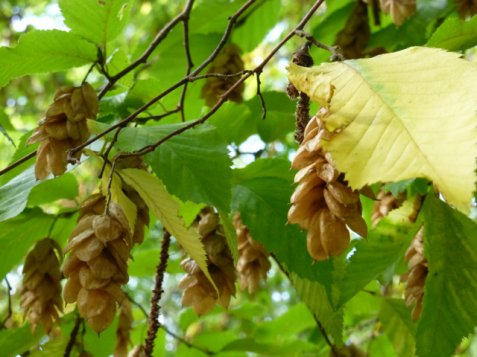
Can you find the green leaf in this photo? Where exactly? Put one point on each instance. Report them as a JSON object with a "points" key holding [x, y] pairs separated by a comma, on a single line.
{"points": [[18, 235], [450, 296], [280, 119], [61, 187], [97, 21], [262, 198], [382, 107], [144, 262], [194, 165], [166, 209], [257, 24], [16, 341], [14, 194], [398, 326], [215, 11], [44, 51], [5, 126], [286, 326], [230, 235], [383, 248], [455, 34], [315, 296], [235, 122]]}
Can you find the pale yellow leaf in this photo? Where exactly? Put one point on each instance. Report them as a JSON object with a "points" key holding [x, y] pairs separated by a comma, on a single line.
{"points": [[402, 115], [118, 196], [166, 208]]}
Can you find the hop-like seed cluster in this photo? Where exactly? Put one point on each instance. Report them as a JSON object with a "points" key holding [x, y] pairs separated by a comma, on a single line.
{"points": [[354, 38], [322, 202], [385, 203], [63, 128], [253, 263], [198, 291], [97, 265], [466, 7], [398, 9], [415, 277], [227, 62], [41, 288], [123, 330]]}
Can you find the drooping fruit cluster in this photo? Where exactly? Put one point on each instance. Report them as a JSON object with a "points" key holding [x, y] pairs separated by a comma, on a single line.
{"points": [[123, 329], [385, 203], [322, 202], [466, 7], [41, 289], [415, 277], [97, 265], [354, 38], [63, 128], [253, 263], [227, 62], [198, 291], [398, 9]]}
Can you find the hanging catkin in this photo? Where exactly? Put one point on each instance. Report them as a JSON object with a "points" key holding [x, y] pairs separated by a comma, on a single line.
{"points": [[198, 291], [253, 263], [40, 295], [227, 62], [63, 128], [323, 203]]}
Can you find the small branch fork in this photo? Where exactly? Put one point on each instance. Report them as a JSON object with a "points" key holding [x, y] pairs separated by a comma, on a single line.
{"points": [[192, 75], [153, 319]]}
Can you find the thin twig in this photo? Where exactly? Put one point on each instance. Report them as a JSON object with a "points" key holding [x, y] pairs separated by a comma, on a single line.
{"points": [[153, 320], [220, 75], [152, 46], [73, 335], [325, 336], [142, 120], [190, 64], [334, 50], [9, 306], [260, 97], [17, 163], [88, 73]]}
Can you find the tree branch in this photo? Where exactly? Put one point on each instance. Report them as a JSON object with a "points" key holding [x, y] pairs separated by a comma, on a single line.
{"points": [[153, 320]]}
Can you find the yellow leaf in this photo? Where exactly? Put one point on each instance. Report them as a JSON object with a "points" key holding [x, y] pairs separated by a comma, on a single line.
{"points": [[166, 209], [406, 114], [118, 196]]}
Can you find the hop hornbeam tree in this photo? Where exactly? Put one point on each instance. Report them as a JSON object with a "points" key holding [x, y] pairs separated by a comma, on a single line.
{"points": [[238, 178]]}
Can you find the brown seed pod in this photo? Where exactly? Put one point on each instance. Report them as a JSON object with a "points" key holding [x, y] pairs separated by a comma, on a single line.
{"points": [[63, 128], [198, 291], [123, 329], [40, 295], [354, 38], [323, 203], [95, 267], [416, 275], [253, 263], [398, 9], [227, 62]]}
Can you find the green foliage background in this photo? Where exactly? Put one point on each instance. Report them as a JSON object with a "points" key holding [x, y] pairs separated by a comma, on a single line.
{"points": [[235, 162]]}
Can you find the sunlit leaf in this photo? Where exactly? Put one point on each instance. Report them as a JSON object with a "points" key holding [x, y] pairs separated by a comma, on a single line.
{"points": [[166, 209], [402, 115]]}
